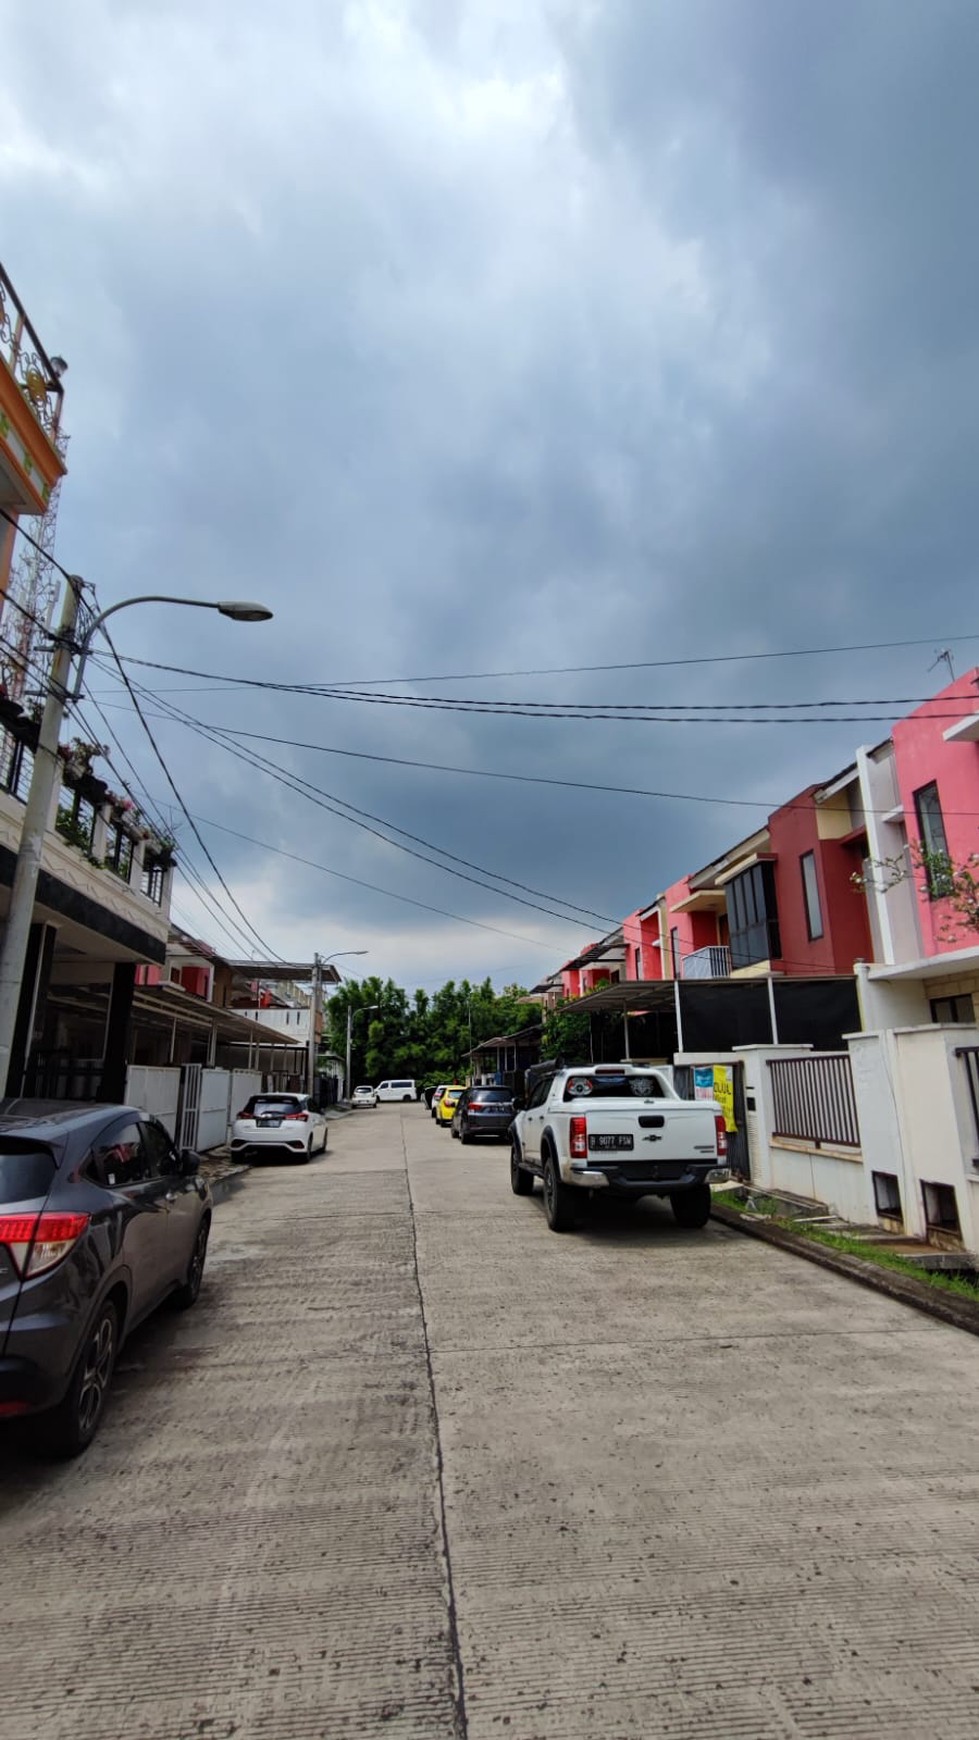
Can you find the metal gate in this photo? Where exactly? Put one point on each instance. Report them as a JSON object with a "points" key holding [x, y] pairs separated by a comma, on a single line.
{"points": [[737, 1139], [189, 1105]]}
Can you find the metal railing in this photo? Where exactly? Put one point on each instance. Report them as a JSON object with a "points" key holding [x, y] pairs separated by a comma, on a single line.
{"points": [[814, 1099], [28, 361], [970, 1062], [709, 963]]}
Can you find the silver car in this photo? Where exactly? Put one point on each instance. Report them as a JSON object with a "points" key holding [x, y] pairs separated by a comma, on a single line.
{"points": [[272, 1123]]}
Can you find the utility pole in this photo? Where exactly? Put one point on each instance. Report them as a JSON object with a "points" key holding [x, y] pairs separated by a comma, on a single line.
{"points": [[350, 1028], [47, 766], [315, 1007]]}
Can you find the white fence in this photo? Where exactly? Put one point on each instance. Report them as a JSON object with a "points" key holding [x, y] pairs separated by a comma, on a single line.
{"points": [[156, 1091], [200, 1116]]}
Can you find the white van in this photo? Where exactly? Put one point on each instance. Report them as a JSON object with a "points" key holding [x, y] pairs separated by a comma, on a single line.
{"points": [[396, 1090]]}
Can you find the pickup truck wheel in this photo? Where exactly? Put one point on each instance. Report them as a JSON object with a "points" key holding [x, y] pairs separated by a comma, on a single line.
{"points": [[521, 1181], [691, 1208], [557, 1198]]}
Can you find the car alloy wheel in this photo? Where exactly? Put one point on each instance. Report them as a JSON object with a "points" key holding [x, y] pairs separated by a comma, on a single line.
{"points": [[97, 1362], [186, 1296]]}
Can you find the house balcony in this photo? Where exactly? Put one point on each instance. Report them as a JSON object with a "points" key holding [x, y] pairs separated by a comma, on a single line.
{"points": [[709, 963], [105, 882], [31, 397]]}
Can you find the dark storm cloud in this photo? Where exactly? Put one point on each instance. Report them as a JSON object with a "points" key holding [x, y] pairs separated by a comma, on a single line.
{"points": [[484, 336]]}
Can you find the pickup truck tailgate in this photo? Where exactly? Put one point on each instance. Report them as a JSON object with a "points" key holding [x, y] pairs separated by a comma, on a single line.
{"points": [[673, 1130]]}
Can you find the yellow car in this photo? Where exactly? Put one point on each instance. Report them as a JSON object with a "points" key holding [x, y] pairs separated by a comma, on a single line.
{"points": [[447, 1105]]}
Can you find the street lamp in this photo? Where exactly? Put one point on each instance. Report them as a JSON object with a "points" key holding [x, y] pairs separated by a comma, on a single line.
{"points": [[367, 1009], [318, 962], [238, 609], [13, 949]]}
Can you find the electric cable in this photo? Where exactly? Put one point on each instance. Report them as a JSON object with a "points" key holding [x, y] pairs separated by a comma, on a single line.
{"points": [[263, 945], [363, 818]]}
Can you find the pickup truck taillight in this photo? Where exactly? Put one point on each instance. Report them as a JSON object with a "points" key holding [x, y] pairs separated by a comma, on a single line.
{"points": [[721, 1129], [579, 1138]]}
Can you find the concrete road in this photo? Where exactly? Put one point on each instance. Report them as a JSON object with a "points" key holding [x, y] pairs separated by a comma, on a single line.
{"points": [[416, 1467]]}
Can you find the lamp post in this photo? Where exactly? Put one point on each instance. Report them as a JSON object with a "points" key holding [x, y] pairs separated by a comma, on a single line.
{"points": [[366, 1010], [16, 936], [316, 1009]]}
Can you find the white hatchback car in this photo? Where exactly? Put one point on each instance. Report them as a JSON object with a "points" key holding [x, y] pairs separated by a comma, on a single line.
{"points": [[279, 1123], [364, 1096]]}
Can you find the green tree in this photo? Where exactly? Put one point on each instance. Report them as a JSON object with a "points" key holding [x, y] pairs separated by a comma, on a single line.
{"points": [[428, 1037], [567, 1033]]}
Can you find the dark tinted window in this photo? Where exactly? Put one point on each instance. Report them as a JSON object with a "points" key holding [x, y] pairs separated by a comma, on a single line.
{"points": [[160, 1155], [490, 1096], [117, 1157], [272, 1105], [613, 1087], [540, 1092], [25, 1173]]}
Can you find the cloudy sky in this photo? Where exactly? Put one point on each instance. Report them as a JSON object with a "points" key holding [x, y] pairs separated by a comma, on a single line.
{"points": [[491, 335]]}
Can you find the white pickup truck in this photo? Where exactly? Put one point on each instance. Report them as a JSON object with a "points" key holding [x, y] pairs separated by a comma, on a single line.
{"points": [[620, 1129]]}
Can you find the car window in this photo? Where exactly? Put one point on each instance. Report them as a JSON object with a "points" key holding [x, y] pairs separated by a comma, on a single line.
{"points": [[601, 1086], [159, 1152], [25, 1173], [540, 1092], [492, 1096], [272, 1105], [117, 1157]]}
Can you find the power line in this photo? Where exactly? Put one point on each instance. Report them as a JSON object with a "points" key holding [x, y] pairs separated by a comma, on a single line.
{"points": [[263, 945], [363, 818], [584, 670], [359, 882], [769, 804], [196, 882]]}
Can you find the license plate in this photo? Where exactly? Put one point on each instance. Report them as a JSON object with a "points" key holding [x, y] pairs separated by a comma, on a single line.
{"points": [[270, 1123], [609, 1144]]}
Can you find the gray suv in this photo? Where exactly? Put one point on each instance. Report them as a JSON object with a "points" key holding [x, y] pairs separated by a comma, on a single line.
{"points": [[101, 1219]]}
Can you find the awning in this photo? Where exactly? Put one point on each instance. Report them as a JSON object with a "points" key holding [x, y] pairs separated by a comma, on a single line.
{"points": [[702, 900], [633, 997], [283, 972]]}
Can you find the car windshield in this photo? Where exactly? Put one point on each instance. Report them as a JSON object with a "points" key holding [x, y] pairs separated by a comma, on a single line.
{"points": [[491, 1096], [612, 1086], [363, 1090], [268, 1105]]}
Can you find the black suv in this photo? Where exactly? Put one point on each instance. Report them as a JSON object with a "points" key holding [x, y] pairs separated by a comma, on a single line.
{"points": [[484, 1111], [100, 1220]]}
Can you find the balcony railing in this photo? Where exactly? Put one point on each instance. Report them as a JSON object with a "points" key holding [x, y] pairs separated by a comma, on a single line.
{"points": [[710, 963], [28, 361]]}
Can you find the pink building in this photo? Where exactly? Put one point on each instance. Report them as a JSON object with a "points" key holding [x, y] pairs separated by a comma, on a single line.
{"points": [[936, 750]]}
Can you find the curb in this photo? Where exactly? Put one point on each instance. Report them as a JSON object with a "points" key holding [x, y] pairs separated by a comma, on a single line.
{"points": [[228, 1183], [960, 1313]]}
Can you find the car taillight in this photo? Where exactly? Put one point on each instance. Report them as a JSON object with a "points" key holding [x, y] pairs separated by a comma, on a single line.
{"points": [[721, 1131], [295, 1117], [245, 1114], [37, 1242], [579, 1138]]}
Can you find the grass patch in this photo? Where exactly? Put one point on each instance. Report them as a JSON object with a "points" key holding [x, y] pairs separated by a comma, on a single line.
{"points": [[767, 1207]]}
